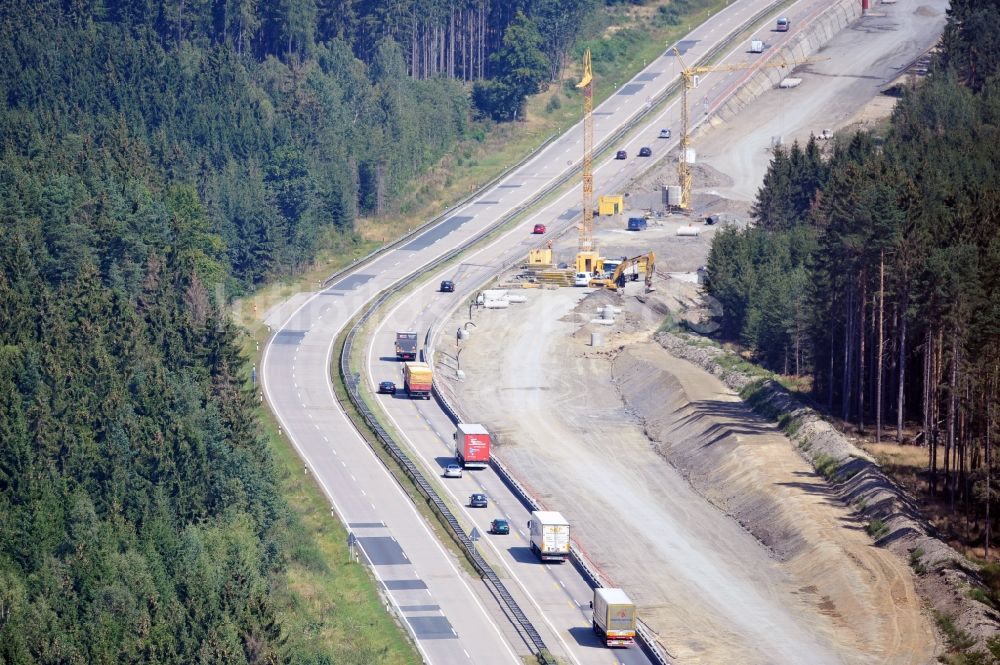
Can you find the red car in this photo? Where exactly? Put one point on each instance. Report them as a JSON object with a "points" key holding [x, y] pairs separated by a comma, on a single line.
{"points": [[539, 228]]}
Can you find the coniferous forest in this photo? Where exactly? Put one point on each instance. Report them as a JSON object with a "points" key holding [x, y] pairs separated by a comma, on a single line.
{"points": [[876, 270], [156, 155]]}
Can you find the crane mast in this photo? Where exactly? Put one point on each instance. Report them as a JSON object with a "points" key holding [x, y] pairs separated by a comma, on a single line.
{"points": [[586, 258], [690, 76]]}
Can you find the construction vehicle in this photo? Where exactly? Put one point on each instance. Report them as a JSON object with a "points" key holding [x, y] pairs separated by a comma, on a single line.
{"points": [[406, 346], [549, 535], [417, 378], [614, 617], [625, 270], [692, 76]]}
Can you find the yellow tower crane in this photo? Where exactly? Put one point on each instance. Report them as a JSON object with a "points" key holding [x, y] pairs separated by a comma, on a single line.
{"points": [[586, 258], [690, 76]]}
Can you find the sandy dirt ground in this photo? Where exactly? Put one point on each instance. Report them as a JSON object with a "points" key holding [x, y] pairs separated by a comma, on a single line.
{"points": [[734, 549], [736, 556], [862, 59], [718, 528]]}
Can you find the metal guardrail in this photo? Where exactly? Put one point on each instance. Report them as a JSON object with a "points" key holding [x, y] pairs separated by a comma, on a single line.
{"points": [[434, 221], [351, 380], [614, 137], [647, 642]]}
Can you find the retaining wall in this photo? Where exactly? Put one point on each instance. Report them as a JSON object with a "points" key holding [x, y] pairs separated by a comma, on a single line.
{"points": [[803, 43]]}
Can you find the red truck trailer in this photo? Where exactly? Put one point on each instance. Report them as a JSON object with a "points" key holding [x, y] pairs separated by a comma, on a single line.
{"points": [[472, 446]]}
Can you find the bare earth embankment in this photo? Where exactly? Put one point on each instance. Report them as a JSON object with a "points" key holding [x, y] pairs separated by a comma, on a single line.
{"points": [[734, 549]]}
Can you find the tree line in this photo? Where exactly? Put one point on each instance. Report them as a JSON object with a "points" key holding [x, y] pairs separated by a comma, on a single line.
{"points": [[139, 516], [157, 157], [876, 271], [294, 119]]}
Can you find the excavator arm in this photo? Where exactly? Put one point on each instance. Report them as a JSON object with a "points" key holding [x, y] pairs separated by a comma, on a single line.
{"points": [[617, 279]]}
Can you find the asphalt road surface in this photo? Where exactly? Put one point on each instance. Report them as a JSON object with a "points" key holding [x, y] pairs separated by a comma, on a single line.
{"points": [[438, 603]]}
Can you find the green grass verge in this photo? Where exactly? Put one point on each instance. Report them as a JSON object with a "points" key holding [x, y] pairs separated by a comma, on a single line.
{"points": [[327, 605], [423, 505]]}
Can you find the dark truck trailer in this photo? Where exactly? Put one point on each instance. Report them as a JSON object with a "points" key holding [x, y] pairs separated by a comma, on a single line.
{"points": [[406, 346]]}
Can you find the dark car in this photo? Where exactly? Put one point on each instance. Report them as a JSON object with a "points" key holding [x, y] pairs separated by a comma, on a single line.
{"points": [[539, 229], [478, 500], [646, 152], [447, 286], [637, 224], [387, 388], [500, 527], [621, 154]]}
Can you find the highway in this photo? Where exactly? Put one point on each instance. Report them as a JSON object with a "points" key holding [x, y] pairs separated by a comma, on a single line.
{"points": [[449, 615]]}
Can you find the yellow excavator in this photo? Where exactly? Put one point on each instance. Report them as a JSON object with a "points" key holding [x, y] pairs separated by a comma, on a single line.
{"points": [[628, 269]]}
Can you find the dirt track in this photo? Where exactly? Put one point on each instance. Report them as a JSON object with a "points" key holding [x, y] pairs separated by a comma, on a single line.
{"points": [[805, 586]]}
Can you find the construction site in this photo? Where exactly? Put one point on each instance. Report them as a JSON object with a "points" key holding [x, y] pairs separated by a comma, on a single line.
{"points": [[711, 517]]}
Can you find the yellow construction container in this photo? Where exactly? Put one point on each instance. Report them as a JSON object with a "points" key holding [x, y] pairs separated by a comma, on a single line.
{"points": [[610, 205], [589, 262], [540, 257]]}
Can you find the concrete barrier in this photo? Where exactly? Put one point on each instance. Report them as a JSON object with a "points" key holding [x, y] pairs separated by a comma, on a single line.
{"points": [[813, 34]]}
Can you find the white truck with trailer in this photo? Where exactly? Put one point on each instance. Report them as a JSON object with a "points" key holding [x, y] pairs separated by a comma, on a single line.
{"points": [[549, 535], [614, 617]]}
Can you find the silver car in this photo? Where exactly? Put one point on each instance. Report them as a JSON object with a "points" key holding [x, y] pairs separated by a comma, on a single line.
{"points": [[453, 471]]}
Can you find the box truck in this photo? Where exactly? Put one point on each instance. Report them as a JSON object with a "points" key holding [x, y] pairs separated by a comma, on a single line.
{"points": [[549, 537], [417, 379], [406, 346], [614, 617], [472, 445]]}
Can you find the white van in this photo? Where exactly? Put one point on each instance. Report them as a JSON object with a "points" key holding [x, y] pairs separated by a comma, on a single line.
{"points": [[582, 279]]}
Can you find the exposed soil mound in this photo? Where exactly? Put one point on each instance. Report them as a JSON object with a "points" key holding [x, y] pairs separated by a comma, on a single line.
{"points": [[945, 576], [744, 466]]}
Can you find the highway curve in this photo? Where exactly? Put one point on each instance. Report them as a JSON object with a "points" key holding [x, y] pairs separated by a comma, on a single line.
{"points": [[449, 614]]}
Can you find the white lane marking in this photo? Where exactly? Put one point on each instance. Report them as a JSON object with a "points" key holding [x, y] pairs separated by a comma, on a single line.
{"points": [[529, 165], [336, 507], [377, 463], [429, 467]]}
